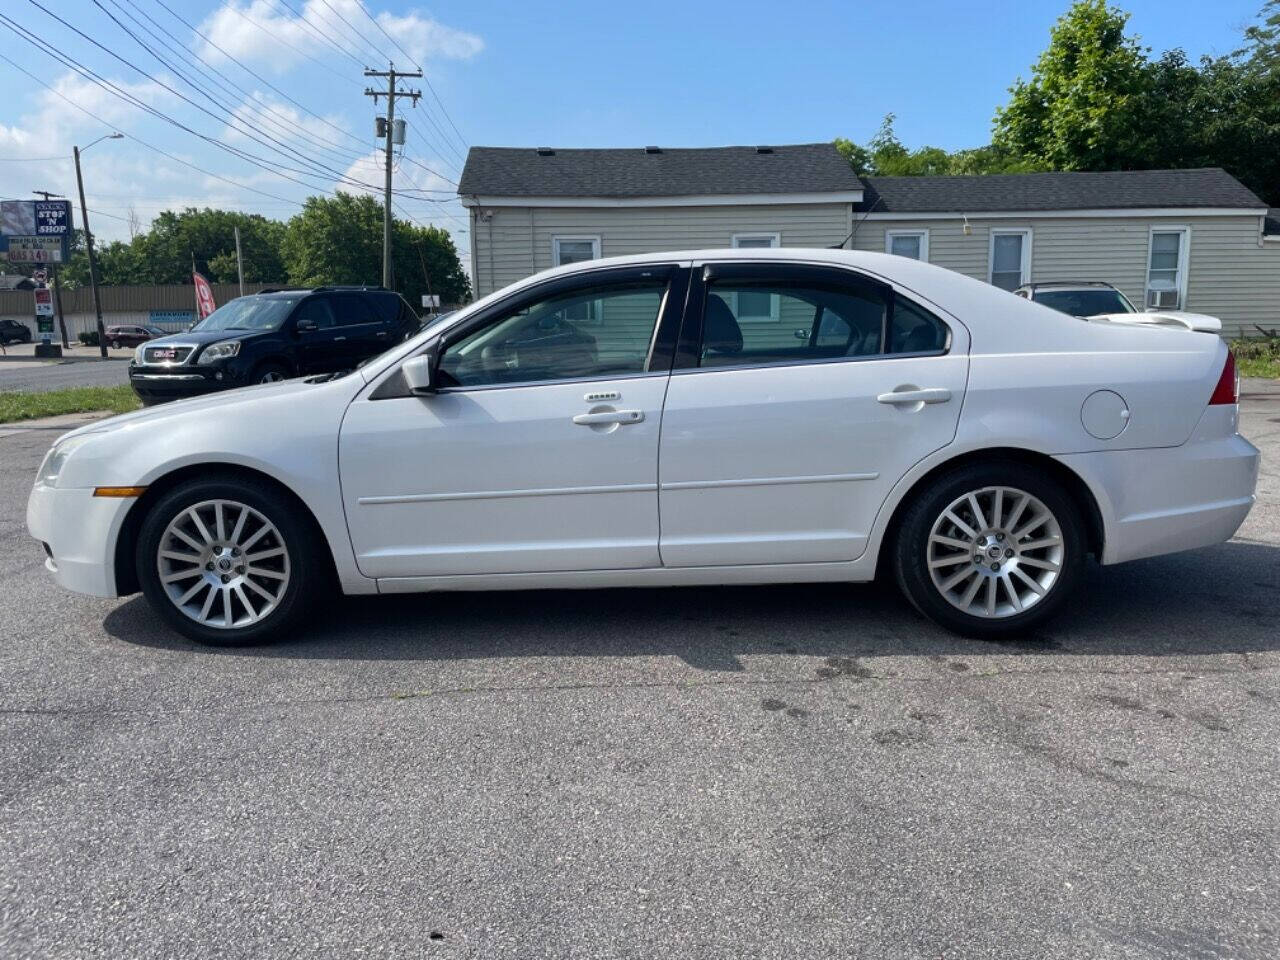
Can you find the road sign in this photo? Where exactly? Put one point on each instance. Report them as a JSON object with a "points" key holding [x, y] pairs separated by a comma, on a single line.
{"points": [[431, 300], [44, 301]]}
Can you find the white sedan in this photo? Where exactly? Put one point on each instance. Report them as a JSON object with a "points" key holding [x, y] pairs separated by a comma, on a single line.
{"points": [[709, 417]]}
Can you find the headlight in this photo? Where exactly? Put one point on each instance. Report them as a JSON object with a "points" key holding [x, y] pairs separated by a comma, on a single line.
{"points": [[56, 457], [137, 355], [222, 350]]}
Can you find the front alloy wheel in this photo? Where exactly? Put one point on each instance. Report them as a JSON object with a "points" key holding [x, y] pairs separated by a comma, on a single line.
{"points": [[990, 549], [228, 561], [223, 564]]}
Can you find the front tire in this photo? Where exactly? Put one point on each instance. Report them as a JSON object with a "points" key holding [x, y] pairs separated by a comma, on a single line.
{"points": [[229, 563], [990, 550], [269, 373], [115, 344]]}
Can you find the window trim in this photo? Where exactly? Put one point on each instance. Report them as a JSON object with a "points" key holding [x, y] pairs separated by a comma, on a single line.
{"points": [[889, 236], [594, 239], [1184, 262], [1027, 238], [775, 302], [689, 342]]}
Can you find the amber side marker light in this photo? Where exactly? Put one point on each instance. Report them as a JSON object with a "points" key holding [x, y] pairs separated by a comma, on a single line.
{"points": [[119, 491]]}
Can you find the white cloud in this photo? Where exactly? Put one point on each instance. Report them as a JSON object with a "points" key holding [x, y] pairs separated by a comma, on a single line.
{"points": [[264, 32]]}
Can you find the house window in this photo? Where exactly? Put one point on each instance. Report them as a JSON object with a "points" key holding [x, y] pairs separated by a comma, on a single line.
{"points": [[1010, 258], [1167, 268], [907, 243], [748, 305], [566, 250]]}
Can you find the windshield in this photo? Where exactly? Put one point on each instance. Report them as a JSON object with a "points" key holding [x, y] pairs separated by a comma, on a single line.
{"points": [[1085, 303], [249, 313]]}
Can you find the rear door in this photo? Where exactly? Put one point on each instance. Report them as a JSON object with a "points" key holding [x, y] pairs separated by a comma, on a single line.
{"points": [[357, 330], [801, 395]]}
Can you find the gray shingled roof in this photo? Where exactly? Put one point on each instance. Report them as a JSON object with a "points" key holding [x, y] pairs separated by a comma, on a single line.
{"points": [[1128, 189], [523, 172], [1271, 226]]}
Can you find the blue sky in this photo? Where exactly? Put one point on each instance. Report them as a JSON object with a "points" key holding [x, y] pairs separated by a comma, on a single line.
{"points": [[569, 74]]}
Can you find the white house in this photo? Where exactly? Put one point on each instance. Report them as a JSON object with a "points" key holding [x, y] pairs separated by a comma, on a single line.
{"points": [[1194, 239]]}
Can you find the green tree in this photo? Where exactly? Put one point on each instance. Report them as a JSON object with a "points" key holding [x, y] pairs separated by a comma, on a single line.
{"points": [[1085, 96], [208, 235], [1261, 52], [338, 239], [886, 156]]}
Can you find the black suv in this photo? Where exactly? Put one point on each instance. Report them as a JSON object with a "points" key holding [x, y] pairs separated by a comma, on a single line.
{"points": [[273, 335], [11, 331]]}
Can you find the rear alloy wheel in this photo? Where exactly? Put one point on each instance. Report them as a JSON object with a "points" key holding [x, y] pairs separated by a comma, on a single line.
{"points": [[115, 344], [990, 550], [227, 563]]}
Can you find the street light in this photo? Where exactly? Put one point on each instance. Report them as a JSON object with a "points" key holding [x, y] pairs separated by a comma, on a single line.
{"points": [[88, 241]]}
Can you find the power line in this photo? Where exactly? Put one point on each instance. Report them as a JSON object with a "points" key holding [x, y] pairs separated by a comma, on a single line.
{"points": [[164, 153], [249, 20], [324, 38], [319, 171], [287, 126], [354, 31]]}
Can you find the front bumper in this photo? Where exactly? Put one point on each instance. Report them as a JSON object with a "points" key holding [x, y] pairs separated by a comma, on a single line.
{"points": [[79, 534], [1169, 499], [156, 384]]}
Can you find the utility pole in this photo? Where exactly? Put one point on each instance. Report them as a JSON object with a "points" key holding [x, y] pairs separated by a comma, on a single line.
{"points": [[93, 268], [387, 127], [239, 262], [57, 287]]}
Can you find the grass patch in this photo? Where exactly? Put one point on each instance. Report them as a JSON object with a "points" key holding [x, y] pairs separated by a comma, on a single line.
{"points": [[30, 406], [1258, 357]]}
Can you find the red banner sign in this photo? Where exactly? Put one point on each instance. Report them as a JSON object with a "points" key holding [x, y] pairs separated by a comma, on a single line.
{"points": [[204, 296]]}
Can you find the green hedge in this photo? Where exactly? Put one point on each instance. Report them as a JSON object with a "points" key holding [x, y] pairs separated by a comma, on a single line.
{"points": [[89, 338]]}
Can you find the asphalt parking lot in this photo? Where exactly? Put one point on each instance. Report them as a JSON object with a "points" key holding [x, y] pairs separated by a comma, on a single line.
{"points": [[786, 772], [26, 373]]}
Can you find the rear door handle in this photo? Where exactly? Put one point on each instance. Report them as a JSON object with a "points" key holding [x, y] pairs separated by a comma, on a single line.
{"points": [[927, 395], [381, 333], [611, 416], [336, 339]]}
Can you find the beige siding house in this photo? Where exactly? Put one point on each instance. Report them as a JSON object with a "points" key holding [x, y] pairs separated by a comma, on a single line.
{"points": [[1181, 239]]}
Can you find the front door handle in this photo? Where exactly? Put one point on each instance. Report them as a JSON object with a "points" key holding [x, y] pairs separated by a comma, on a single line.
{"points": [[927, 395], [610, 416], [336, 339]]}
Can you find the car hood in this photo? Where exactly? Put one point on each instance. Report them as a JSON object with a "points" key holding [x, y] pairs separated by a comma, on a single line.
{"points": [[154, 416], [202, 337], [1164, 318]]}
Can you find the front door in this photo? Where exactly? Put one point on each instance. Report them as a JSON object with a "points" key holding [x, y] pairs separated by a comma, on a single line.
{"points": [[538, 453], [797, 402]]}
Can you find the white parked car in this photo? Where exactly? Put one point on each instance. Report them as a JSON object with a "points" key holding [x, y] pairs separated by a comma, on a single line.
{"points": [[711, 417], [1101, 302]]}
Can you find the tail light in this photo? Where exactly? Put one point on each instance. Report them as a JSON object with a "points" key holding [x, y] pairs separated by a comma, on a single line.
{"points": [[1228, 388]]}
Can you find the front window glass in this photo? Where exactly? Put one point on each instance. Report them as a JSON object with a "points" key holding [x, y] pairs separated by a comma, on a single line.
{"points": [[248, 313], [1084, 303], [593, 331]]}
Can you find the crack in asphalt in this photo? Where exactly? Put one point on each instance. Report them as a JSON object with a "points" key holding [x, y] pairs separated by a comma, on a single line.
{"points": [[399, 695]]}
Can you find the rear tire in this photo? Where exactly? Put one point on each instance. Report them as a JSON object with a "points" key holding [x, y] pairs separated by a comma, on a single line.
{"points": [[991, 549], [115, 344], [229, 563]]}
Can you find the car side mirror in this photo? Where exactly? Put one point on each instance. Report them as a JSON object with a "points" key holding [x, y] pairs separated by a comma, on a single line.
{"points": [[305, 326], [420, 373]]}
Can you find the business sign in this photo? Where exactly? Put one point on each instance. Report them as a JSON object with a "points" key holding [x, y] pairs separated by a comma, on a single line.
{"points": [[171, 317], [52, 218], [44, 301], [35, 249], [35, 231]]}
